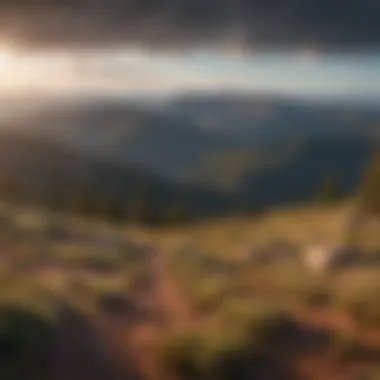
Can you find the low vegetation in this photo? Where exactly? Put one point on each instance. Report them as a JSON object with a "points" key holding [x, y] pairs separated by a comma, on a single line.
{"points": [[25, 344], [359, 298], [49, 263], [230, 349]]}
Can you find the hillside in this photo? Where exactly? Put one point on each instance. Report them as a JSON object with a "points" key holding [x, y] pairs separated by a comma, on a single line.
{"points": [[296, 177], [260, 152], [40, 166]]}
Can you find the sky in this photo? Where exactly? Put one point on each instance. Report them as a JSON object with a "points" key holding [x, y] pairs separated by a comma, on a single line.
{"points": [[133, 72], [324, 25], [307, 48]]}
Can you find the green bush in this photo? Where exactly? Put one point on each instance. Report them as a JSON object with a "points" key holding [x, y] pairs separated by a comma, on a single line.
{"points": [[366, 312], [347, 347], [208, 355], [372, 374], [180, 354], [226, 355], [317, 297], [362, 303], [24, 343], [228, 352], [254, 315], [210, 293]]}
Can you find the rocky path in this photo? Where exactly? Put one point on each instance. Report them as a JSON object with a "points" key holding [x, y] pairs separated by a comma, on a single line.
{"points": [[169, 309], [122, 347]]}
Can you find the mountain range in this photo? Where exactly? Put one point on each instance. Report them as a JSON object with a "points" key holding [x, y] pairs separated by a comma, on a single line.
{"points": [[213, 152]]}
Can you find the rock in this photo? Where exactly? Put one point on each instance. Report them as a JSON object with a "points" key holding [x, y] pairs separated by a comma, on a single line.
{"points": [[277, 252], [317, 257], [322, 257]]}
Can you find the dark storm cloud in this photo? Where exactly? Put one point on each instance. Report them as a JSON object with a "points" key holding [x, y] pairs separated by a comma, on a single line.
{"points": [[319, 24]]}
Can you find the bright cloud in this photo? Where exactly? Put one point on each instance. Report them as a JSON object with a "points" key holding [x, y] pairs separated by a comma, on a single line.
{"points": [[137, 71]]}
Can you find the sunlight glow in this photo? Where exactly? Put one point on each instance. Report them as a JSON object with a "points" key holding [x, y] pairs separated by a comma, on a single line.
{"points": [[132, 72], [7, 55]]}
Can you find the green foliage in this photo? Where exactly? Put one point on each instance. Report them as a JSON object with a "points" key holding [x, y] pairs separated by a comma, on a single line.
{"points": [[201, 355], [226, 355], [177, 213], [370, 192], [138, 206], [11, 190], [87, 203], [24, 343], [227, 352], [180, 354], [347, 347], [329, 190], [362, 302], [210, 293], [115, 211], [372, 374]]}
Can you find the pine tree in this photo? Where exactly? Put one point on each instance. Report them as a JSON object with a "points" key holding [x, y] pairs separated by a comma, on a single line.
{"points": [[369, 197], [138, 209], [10, 189], [329, 190], [116, 212], [177, 213], [86, 203], [54, 200]]}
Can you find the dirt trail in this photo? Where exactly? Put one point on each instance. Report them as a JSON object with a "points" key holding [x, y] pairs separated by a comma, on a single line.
{"points": [[170, 311], [82, 350], [105, 347], [175, 307]]}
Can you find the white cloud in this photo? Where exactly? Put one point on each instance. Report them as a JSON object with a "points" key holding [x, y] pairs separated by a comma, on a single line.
{"points": [[139, 71]]}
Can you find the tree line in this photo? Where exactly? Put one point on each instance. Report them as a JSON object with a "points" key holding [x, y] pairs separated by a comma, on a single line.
{"points": [[368, 192], [140, 206]]}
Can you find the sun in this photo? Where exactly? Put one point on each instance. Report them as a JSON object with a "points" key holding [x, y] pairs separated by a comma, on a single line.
{"points": [[9, 65], [5, 60], [7, 52]]}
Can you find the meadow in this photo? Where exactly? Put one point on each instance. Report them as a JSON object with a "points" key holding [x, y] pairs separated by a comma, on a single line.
{"points": [[224, 299]]}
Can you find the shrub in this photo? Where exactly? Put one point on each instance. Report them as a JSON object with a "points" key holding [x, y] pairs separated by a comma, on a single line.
{"points": [[229, 351], [362, 302], [347, 347], [24, 343], [212, 355], [180, 354], [227, 355], [317, 297], [372, 374], [210, 293], [271, 328]]}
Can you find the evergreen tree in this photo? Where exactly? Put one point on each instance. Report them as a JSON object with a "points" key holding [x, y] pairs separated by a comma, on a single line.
{"points": [[369, 197], [139, 207], [10, 189], [177, 213], [87, 203], [116, 212], [329, 190], [54, 200]]}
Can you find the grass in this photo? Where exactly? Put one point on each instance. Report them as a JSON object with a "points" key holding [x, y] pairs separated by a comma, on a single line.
{"points": [[233, 237], [246, 301], [358, 295], [180, 354], [372, 374], [209, 294], [42, 266], [25, 341], [347, 347], [228, 349], [44, 272]]}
